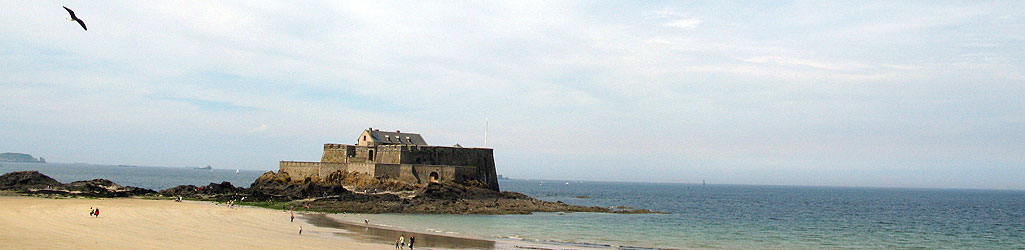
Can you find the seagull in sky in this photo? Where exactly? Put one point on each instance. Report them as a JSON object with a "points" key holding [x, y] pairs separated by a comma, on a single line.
{"points": [[73, 17]]}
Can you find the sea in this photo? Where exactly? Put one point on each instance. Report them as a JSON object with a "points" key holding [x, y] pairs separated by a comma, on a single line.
{"points": [[713, 216]]}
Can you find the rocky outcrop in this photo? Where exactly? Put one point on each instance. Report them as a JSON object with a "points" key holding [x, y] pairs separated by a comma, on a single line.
{"points": [[187, 191], [470, 197], [33, 182], [451, 191], [447, 198], [214, 191], [364, 182], [24, 180], [104, 188], [323, 195], [280, 187]]}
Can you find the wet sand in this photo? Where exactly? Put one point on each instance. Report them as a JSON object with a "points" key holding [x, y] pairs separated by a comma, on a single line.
{"points": [[373, 233], [376, 234]]}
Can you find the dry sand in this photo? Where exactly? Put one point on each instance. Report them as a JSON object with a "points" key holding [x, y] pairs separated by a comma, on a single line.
{"points": [[40, 223]]}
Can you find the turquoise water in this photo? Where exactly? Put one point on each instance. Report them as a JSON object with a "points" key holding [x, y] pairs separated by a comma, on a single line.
{"points": [[702, 217], [753, 217]]}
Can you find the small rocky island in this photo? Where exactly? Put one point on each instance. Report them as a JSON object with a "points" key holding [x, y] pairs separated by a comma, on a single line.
{"points": [[279, 191], [19, 157], [385, 172]]}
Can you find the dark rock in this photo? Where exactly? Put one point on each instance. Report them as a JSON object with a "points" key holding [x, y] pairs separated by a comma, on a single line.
{"points": [[33, 182], [451, 191], [181, 190], [214, 191], [24, 180], [223, 188], [366, 182], [104, 188], [96, 185], [280, 187]]}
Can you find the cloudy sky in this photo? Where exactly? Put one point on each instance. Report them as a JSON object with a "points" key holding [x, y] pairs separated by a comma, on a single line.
{"points": [[882, 94]]}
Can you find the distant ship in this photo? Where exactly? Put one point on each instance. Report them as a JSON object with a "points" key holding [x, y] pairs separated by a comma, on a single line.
{"points": [[236, 171], [207, 167]]}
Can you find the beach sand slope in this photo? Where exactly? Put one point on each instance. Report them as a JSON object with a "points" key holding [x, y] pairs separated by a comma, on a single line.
{"points": [[41, 223]]}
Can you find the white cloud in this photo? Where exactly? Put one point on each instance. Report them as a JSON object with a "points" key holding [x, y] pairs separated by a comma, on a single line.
{"points": [[806, 63], [310, 73], [686, 23], [261, 128]]}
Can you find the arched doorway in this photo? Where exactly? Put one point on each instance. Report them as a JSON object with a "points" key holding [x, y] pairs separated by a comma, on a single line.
{"points": [[434, 177]]}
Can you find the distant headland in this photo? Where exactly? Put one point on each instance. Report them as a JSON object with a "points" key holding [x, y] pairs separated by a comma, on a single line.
{"points": [[19, 157]]}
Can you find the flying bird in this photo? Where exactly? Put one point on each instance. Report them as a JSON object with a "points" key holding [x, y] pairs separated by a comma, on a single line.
{"points": [[73, 17]]}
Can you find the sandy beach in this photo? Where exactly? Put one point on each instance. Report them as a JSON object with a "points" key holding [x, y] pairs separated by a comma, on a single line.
{"points": [[40, 223]]}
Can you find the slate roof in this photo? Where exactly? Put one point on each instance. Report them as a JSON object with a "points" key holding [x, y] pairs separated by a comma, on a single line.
{"points": [[387, 137]]}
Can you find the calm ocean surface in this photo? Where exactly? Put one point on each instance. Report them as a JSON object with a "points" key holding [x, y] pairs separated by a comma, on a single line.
{"points": [[156, 178], [703, 217]]}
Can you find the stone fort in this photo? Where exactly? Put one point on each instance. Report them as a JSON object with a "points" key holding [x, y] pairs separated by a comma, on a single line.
{"points": [[401, 156]]}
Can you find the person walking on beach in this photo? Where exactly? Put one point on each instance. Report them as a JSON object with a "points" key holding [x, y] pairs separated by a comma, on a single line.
{"points": [[412, 238], [292, 219], [97, 213], [402, 241], [396, 244]]}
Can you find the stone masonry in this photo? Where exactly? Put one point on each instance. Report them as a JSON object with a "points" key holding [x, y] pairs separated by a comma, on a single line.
{"points": [[401, 156]]}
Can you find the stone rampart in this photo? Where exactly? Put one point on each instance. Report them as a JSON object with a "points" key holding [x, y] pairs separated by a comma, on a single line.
{"points": [[340, 153], [480, 162], [302, 170], [417, 164]]}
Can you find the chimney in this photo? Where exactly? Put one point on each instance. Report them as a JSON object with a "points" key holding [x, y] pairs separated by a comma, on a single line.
{"points": [[396, 131]]}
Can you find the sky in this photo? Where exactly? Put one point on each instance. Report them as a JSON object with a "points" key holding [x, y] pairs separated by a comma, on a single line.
{"points": [[859, 93]]}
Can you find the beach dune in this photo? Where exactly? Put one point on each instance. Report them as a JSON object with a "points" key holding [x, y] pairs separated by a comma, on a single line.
{"points": [[40, 223]]}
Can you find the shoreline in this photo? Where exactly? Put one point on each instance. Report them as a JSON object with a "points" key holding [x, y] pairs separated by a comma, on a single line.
{"points": [[132, 223], [382, 233]]}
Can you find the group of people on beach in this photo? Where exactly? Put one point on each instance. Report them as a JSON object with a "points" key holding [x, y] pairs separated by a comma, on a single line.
{"points": [[94, 212], [401, 243]]}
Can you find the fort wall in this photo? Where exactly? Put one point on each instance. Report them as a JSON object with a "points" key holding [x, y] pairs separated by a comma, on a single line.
{"points": [[363, 168], [479, 163], [340, 153], [302, 170], [417, 164], [389, 154]]}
